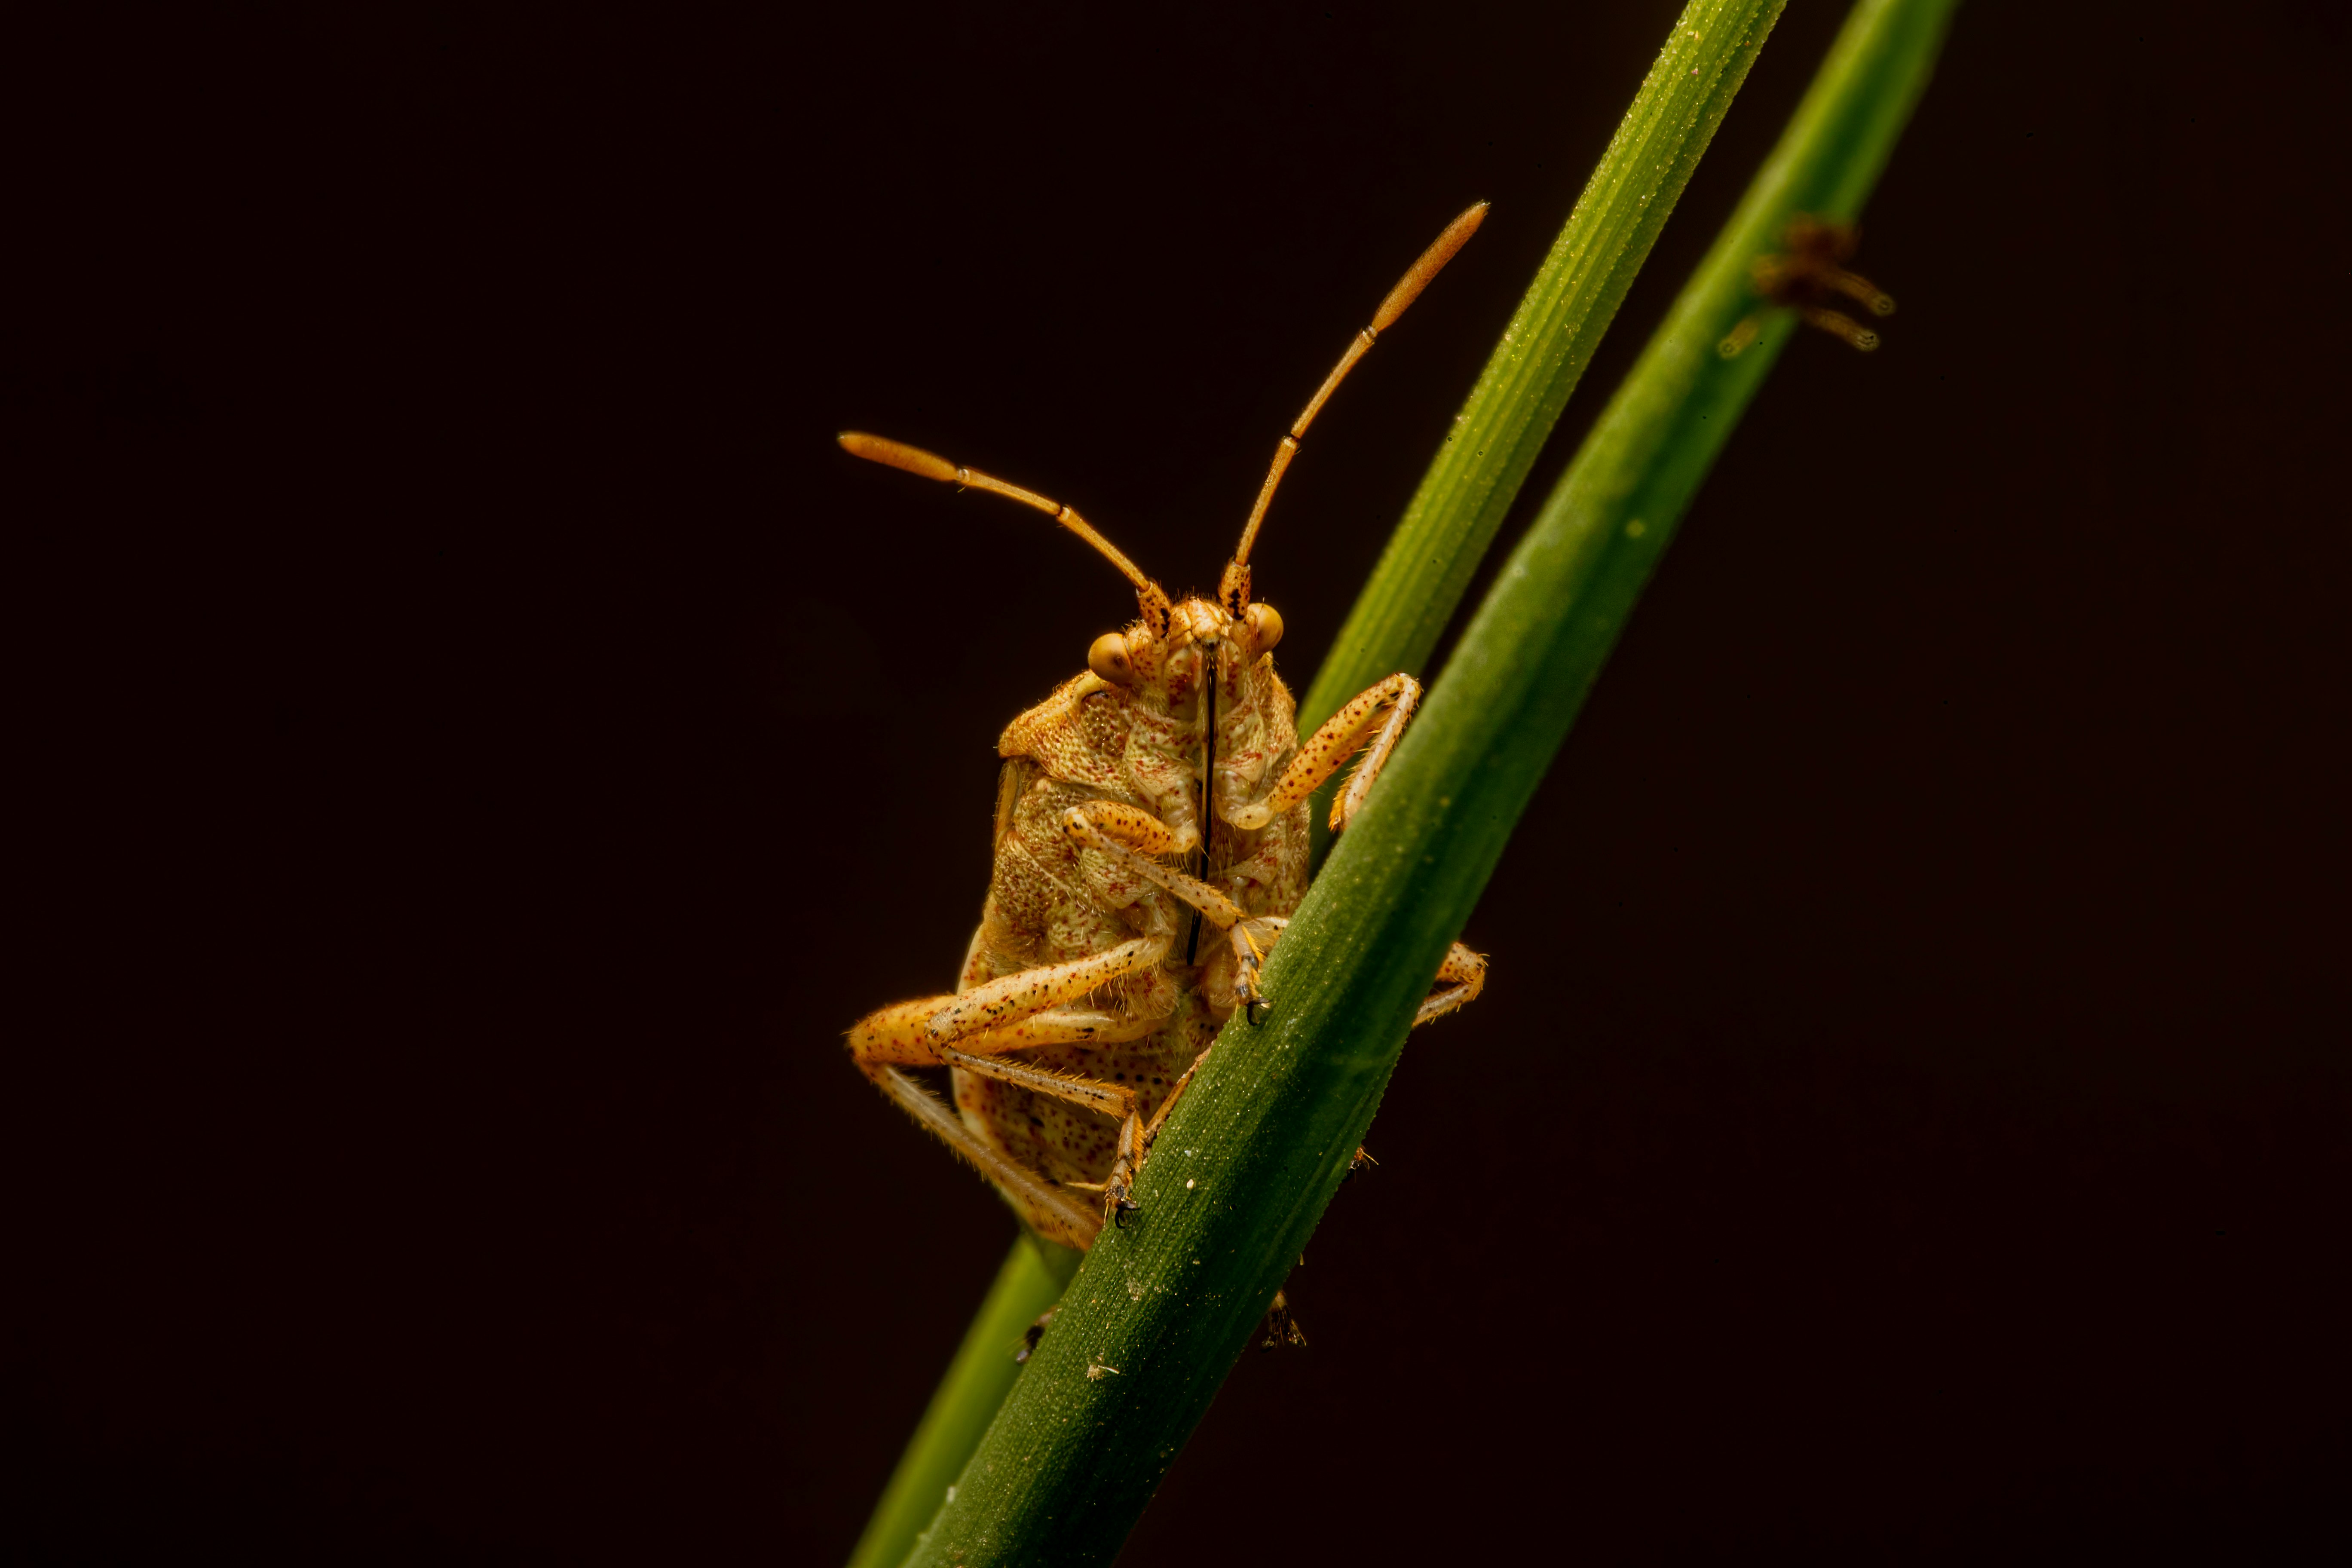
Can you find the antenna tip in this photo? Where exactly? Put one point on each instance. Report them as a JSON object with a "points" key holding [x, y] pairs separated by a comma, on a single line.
{"points": [[896, 455], [1457, 235]]}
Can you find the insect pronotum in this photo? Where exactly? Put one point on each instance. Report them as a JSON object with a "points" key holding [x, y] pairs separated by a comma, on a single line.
{"points": [[1151, 835]]}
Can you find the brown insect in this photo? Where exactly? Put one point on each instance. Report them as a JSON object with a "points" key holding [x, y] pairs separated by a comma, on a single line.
{"points": [[1151, 834], [1809, 277]]}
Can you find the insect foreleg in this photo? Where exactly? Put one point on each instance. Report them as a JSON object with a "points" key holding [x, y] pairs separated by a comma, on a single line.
{"points": [[1102, 828], [1099, 830], [1379, 714]]}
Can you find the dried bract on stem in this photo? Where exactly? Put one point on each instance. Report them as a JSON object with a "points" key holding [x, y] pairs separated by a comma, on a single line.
{"points": [[1809, 277]]}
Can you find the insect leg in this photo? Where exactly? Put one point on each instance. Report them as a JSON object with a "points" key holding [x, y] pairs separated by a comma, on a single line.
{"points": [[902, 1033], [998, 1004], [1101, 829], [1174, 1095], [1109, 830], [1111, 1100], [1013, 1012], [1135, 1142], [1378, 713], [1051, 1210], [1089, 1094], [1460, 976], [1463, 975]]}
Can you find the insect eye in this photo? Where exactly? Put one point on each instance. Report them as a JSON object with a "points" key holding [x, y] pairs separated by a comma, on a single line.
{"points": [[1265, 626], [1109, 659]]}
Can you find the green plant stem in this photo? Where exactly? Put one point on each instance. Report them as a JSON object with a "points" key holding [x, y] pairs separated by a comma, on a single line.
{"points": [[1255, 1151], [1453, 516], [983, 1373]]}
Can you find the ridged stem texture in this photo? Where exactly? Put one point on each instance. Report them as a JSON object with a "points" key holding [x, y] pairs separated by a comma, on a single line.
{"points": [[1493, 442], [1453, 516], [1161, 1309], [983, 1373]]}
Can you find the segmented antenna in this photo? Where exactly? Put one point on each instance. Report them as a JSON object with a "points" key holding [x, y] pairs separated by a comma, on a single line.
{"points": [[1408, 288], [931, 465]]}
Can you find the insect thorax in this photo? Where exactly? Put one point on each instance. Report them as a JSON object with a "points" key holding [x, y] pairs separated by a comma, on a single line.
{"points": [[1145, 744]]}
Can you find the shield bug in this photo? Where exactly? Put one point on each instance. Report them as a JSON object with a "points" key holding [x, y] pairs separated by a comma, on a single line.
{"points": [[1151, 844]]}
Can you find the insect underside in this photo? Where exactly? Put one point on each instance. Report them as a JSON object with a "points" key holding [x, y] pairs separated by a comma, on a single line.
{"points": [[1151, 844]]}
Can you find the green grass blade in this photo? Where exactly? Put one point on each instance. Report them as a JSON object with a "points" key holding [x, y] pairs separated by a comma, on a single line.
{"points": [[1159, 1310], [1452, 517], [1493, 721], [977, 1381]]}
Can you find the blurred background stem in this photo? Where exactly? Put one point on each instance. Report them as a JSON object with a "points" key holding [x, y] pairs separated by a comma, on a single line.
{"points": [[1030, 1280]]}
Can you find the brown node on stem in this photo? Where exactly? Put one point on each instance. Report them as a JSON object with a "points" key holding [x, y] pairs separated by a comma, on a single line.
{"points": [[1809, 277], [1281, 1328]]}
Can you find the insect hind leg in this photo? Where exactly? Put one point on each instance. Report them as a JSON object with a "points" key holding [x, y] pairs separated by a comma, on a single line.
{"points": [[1087, 1094], [996, 1005], [1016, 1013], [1033, 1197], [1019, 1011]]}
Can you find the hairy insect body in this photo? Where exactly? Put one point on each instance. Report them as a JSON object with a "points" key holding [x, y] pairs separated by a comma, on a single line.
{"points": [[1094, 745], [1151, 844]]}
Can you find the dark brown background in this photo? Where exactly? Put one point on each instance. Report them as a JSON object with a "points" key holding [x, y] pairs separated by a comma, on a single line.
{"points": [[489, 744]]}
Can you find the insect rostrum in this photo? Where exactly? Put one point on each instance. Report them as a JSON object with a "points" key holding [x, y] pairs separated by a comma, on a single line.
{"points": [[1151, 844]]}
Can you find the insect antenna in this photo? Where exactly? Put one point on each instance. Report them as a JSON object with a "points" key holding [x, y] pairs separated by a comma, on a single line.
{"points": [[931, 465], [1235, 589]]}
